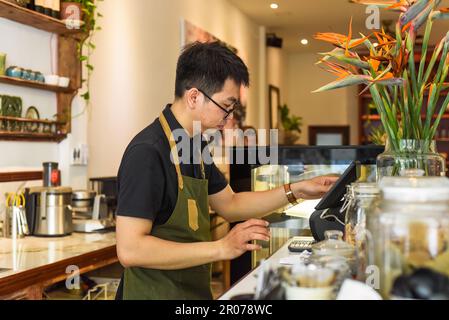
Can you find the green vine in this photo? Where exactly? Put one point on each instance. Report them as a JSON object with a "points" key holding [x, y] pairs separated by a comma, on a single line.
{"points": [[87, 46]]}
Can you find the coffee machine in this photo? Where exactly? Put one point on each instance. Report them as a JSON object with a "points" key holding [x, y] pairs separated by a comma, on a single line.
{"points": [[49, 211]]}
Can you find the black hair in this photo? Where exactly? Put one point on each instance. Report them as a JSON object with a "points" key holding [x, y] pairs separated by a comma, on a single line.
{"points": [[207, 66]]}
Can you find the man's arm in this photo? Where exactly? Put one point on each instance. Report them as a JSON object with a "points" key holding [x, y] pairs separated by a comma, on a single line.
{"points": [[137, 248], [246, 205]]}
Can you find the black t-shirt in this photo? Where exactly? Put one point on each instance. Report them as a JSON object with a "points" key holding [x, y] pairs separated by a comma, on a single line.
{"points": [[147, 180]]}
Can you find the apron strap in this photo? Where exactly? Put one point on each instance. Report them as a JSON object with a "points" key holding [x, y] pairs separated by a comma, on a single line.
{"points": [[171, 140], [173, 149]]}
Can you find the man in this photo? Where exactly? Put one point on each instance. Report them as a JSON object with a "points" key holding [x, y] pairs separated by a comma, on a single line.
{"points": [[163, 231]]}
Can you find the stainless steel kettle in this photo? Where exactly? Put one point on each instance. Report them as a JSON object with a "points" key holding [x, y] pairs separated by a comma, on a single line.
{"points": [[49, 211]]}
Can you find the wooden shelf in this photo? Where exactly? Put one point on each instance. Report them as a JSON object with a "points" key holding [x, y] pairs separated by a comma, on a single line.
{"points": [[32, 120], [33, 136], [34, 84], [29, 136], [69, 65], [14, 12], [20, 176]]}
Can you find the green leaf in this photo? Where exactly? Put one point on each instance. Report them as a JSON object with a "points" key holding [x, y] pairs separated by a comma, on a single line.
{"points": [[339, 54], [345, 82], [435, 55], [86, 96], [425, 45], [411, 62]]}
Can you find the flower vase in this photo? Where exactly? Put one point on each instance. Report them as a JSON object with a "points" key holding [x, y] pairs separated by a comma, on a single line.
{"points": [[410, 158]]}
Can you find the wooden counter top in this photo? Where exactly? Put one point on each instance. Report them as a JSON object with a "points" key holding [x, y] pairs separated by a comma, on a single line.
{"points": [[39, 262]]}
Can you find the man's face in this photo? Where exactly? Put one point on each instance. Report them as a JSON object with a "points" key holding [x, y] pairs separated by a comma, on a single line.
{"points": [[210, 115]]}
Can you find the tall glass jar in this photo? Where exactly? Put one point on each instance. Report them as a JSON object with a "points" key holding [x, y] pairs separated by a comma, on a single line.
{"points": [[410, 158], [409, 228], [362, 195]]}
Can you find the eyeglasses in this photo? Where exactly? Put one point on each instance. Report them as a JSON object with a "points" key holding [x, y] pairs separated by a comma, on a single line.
{"points": [[228, 112]]}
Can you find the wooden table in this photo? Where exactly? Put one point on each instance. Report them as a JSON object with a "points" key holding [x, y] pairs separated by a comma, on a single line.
{"points": [[29, 265]]}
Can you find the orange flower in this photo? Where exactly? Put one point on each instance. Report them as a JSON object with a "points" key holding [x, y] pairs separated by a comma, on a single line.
{"points": [[340, 40]]}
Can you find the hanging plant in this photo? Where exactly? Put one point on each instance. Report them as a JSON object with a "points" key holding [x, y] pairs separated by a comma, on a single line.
{"points": [[86, 46]]}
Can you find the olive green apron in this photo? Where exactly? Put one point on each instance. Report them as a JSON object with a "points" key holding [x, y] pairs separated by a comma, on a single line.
{"points": [[189, 222]]}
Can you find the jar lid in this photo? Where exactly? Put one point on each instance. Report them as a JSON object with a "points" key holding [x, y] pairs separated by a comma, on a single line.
{"points": [[333, 245], [416, 189]]}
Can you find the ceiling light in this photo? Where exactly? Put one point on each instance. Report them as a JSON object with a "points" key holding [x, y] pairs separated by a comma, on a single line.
{"points": [[305, 42], [274, 6]]}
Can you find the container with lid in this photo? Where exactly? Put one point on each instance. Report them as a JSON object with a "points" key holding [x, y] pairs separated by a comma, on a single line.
{"points": [[49, 211], [361, 197], [409, 228], [334, 247]]}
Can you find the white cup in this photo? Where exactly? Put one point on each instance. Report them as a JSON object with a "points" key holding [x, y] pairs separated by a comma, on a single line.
{"points": [[301, 293], [64, 82], [52, 79]]}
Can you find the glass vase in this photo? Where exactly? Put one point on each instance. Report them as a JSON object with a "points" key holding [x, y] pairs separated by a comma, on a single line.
{"points": [[410, 158]]}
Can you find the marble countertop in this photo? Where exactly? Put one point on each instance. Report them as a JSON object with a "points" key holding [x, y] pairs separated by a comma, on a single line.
{"points": [[25, 254]]}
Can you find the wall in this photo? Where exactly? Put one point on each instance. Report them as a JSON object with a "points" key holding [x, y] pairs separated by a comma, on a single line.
{"points": [[277, 69], [34, 49], [135, 64], [337, 107]]}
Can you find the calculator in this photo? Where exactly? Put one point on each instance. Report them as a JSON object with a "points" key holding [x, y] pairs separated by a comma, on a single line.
{"points": [[300, 244]]}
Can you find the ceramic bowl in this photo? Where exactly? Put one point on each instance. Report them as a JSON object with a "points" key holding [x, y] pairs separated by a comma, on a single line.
{"points": [[52, 79], [64, 82], [14, 72]]}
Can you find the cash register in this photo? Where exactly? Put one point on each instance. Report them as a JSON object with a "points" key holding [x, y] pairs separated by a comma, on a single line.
{"points": [[328, 214]]}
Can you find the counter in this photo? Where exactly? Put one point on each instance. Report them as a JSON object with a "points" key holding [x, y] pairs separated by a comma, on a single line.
{"points": [[30, 264], [248, 283]]}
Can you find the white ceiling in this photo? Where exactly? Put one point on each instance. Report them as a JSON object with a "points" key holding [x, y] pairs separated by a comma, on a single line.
{"points": [[297, 19]]}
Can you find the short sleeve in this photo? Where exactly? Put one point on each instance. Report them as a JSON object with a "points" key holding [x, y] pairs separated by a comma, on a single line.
{"points": [[217, 181], [140, 183]]}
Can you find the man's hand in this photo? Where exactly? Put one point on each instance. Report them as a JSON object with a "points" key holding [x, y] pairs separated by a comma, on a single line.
{"points": [[314, 188], [236, 242]]}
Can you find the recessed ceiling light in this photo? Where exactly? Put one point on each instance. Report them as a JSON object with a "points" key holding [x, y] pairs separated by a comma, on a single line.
{"points": [[274, 6], [305, 42]]}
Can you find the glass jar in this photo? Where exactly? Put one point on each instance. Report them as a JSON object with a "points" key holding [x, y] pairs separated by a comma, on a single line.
{"points": [[334, 247], [269, 177], [410, 158], [409, 228], [361, 196]]}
